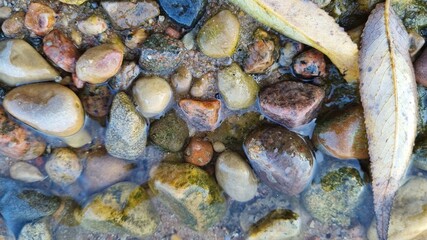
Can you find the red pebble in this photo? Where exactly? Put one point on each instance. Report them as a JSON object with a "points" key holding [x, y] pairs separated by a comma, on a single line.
{"points": [[60, 50]]}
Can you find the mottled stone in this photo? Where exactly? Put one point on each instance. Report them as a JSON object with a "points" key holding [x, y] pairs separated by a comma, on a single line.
{"points": [[125, 77], [201, 114], [73, 2], [14, 25], [93, 25], [5, 233], [63, 166], [39, 230], [198, 152], [420, 67], [310, 64], [262, 53], [60, 50], [169, 132], [280, 224], [40, 18], [96, 100]]}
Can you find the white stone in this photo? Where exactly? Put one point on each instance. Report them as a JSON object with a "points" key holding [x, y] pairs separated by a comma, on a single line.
{"points": [[152, 95]]}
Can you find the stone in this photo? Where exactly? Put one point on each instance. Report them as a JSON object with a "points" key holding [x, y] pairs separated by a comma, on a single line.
{"points": [[419, 155], [190, 193], [5, 232], [181, 80], [40, 18], [309, 64], [5, 12], [205, 86], [96, 100], [280, 158], [60, 50], [93, 25], [219, 147], [63, 166], [289, 50], [341, 184], [13, 26], [99, 63], [125, 77], [161, 53], [342, 134], [125, 15], [416, 43], [73, 2], [26, 172], [202, 114], [135, 38], [262, 53], [20, 64], [184, 12], [291, 104], [103, 170], [17, 142], [39, 230], [169, 132], [48, 107], [152, 95], [124, 208], [238, 88], [236, 177], [219, 36], [198, 152], [280, 224], [420, 68], [407, 214], [126, 134]]}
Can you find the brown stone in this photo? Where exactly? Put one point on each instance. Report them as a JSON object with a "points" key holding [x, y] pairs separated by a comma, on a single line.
{"points": [[310, 64], [261, 56], [14, 25], [96, 100], [201, 114], [40, 18], [421, 69], [60, 50], [198, 152]]}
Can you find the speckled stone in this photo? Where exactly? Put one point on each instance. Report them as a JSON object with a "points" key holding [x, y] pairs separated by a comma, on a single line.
{"points": [[280, 224], [169, 132]]}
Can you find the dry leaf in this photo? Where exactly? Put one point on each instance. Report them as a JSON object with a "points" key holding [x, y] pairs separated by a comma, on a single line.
{"points": [[305, 22], [389, 97]]}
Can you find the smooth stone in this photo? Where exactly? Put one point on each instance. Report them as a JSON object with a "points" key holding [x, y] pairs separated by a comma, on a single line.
{"points": [[48, 107], [420, 68], [280, 158], [61, 50], [13, 27], [181, 80], [126, 134], [184, 12], [40, 18], [169, 132], [204, 115], [238, 88], [96, 100], [408, 215], [219, 36], [152, 95], [5, 233], [280, 224], [26, 172], [124, 208], [5, 12], [93, 25], [342, 134], [39, 230], [198, 152], [190, 193], [235, 176], [21, 64], [26, 145], [79, 139], [63, 166]]}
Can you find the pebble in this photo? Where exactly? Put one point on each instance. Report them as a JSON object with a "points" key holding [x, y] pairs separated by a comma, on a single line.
{"points": [[64, 166], [102, 170], [280, 158], [219, 147], [191, 193], [126, 15], [93, 25], [17, 142], [48, 107], [25, 172], [235, 176], [262, 53], [416, 43], [152, 95], [40, 18], [60, 50], [310, 63], [5, 232], [239, 90], [22, 64], [76, 36], [342, 134], [184, 12], [291, 104], [181, 80], [201, 114], [124, 208], [169, 132], [73, 2], [204, 86], [39, 230], [198, 152], [13, 26], [125, 77], [420, 67], [5, 12], [219, 36], [126, 134], [135, 38], [99, 63], [96, 100], [161, 53], [289, 50], [419, 156], [189, 40], [279, 224]]}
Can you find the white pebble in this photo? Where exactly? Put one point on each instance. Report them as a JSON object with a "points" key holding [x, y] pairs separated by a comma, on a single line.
{"points": [[26, 172], [218, 147]]}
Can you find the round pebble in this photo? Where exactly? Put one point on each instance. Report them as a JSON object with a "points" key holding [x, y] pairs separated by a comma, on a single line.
{"points": [[181, 80], [93, 25], [198, 152], [63, 166], [40, 18], [219, 147], [25, 172]]}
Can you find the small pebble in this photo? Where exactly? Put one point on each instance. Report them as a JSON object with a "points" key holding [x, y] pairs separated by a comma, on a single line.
{"points": [[420, 67], [79, 84], [416, 43], [125, 77], [26, 172], [5, 12], [181, 80], [60, 50], [40, 18], [261, 55], [219, 147], [288, 52], [169, 132], [198, 152], [184, 12], [63, 166], [96, 100], [76, 36], [135, 38], [189, 40], [310, 64], [171, 32], [14, 25], [203, 86], [73, 2], [93, 25]]}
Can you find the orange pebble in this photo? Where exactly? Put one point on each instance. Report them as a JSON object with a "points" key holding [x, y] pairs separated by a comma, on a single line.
{"points": [[198, 152]]}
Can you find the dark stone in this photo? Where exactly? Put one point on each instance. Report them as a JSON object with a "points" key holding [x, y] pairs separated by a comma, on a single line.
{"points": [[184, 12], [169, 132]]}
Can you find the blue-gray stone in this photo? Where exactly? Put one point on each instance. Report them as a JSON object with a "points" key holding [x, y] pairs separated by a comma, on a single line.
{"points": [[184, 12]]}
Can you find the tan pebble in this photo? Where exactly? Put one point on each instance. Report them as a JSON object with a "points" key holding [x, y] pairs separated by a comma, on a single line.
{"points": [[219, 147], [40, 18], [14, 25], [93, 25], [5, 12], [135, 38], [63, 166], [198, 152], [181, 80], [152, 95], [76, 36], [26, 172]]}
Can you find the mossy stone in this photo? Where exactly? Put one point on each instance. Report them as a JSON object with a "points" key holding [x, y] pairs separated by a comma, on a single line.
{"points": [[169, 132]]}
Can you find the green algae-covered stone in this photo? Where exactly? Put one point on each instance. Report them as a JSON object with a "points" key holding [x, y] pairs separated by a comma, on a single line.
{"points": [[124, 208], [277, 225], [169, 132], [190, 192]]}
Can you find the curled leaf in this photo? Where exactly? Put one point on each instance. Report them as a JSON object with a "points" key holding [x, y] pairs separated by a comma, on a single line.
{"points": [[389, 97], [305, 22]]}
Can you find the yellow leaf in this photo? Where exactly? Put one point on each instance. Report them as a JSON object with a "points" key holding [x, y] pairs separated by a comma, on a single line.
{"points": [[305, 22], [389, 98]]}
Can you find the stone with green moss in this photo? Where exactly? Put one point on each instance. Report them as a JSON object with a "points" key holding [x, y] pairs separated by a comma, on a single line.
{"points": [[413, 14], [124, 208], [169, 132], [190, 193], [280, 224]]}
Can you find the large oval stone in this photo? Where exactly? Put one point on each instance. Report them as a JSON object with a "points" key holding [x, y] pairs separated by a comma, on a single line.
{"points": [[20, 63], [48, 107], [280, 158]]}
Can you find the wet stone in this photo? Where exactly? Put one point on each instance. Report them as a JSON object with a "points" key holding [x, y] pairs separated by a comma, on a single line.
{"points": [[63, 166], [201, 114], [39, 230], [420, 67], [125, 77], [40, 18], [5, 233], [280, 224], [310, 64], [152, 95], [5, 12], [289, 50], [291, 104], [13, 26], [135, 38], [161, 53], [198, 152], [280, 158], [93, 25], [73, 2], [181, 80], [26, 172], [262, 53], [184, 12], [419, 156], [169, 132], [96, 100], [60, 50]]}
